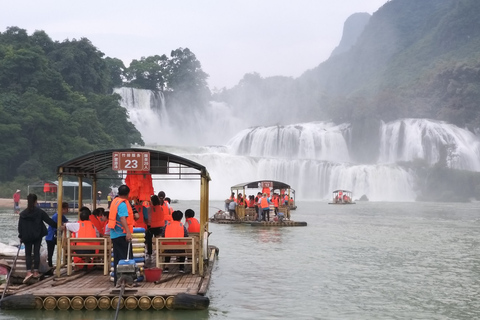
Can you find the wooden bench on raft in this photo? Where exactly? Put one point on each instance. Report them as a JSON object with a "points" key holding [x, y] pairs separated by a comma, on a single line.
{"points": [[101, 257], [164, 244]]}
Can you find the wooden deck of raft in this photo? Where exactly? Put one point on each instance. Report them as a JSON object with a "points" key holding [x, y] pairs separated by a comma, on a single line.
{"points": [[94, 290]]}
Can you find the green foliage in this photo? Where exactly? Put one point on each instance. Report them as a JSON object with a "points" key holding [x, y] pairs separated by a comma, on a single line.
{"points": [[81, 66], [179, 77], [148, 73], [56, 103]]}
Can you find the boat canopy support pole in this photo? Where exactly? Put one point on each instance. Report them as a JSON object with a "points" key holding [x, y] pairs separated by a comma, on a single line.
{"points": [[80, 194], [203, 222], [59, 221]]}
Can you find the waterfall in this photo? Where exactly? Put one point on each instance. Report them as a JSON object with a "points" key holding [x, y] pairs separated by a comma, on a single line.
{"points": [[411, 139], [146, 110], [316, 140], [175, 126], [313, 158]]}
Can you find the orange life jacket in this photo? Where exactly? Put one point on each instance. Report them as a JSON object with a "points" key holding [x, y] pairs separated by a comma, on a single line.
{"points": [[174, 229], [264, 203], [167, 212], [86, 230], [266, 190], [112, 216], [275, 202], [98, 224], [193, 225], [158, 217]]}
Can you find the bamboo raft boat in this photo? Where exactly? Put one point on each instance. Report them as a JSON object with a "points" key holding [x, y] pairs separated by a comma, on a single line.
{"points": [[90, 290], [94, 289], [246, 217]]}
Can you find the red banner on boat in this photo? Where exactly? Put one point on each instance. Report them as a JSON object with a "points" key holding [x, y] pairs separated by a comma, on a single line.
{"points": [[267, 184], [131, 161]]}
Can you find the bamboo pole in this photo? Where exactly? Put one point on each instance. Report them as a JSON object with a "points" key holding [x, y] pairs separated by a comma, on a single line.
{"points": [[80, 192], [59, 221]]}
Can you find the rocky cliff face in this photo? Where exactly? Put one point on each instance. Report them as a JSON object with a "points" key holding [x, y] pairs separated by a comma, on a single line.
{"points": [[352, 28]]}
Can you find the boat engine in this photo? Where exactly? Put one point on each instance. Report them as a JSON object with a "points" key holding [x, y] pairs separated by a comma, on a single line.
{"points": [[127, 271]]}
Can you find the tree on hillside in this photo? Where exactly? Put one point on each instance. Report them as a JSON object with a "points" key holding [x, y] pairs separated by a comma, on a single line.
{"points": [[148, 73], [186, 81], [81, 66], [116, 70]]}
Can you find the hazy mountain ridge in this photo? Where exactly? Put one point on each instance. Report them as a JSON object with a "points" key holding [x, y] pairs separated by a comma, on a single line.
{"points": [[414, 59], [352, 29]]}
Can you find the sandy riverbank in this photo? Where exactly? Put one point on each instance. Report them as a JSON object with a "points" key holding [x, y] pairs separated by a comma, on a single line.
{"points": [[8, 203]]}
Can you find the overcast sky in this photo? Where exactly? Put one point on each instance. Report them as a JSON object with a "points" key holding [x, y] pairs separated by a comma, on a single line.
{"points": [[229, 37]]}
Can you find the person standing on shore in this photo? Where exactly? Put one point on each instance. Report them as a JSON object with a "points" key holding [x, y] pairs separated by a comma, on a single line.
{"points": [[16, 201], [99, 197]]}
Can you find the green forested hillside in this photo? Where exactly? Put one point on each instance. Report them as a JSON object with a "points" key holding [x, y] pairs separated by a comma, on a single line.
{"points": [[55, 103], [56, 100]]}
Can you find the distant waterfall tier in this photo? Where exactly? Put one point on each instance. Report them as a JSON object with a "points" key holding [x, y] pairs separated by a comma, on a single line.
{"points": [[400, 141], [431, 141], [146, 110], [311, 179], [315, 140], [161, 123]]}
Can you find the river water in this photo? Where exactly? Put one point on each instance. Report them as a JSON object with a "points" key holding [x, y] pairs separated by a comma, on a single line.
{"points": [[371, 260]]}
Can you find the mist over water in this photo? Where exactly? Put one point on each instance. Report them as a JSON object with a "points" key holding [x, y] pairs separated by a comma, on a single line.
{"points": [[314, 157]]}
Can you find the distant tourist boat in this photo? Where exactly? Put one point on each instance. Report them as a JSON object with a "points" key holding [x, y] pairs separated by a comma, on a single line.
{"points": [[243, 195], [342, 197]]}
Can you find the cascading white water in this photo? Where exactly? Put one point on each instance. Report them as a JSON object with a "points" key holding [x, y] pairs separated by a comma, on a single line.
{"points": [[146, 110], [410, 139], [315, 140], [312, 157], [177, 126]]}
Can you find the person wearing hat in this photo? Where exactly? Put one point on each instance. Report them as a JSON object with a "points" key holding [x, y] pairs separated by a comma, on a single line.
{"points": [[16, 201], [99, 197]]}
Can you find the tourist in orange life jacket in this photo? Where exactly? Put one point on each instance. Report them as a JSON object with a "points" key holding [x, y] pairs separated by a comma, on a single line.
{"points": [[275, 200], [285, 200], [143, 209], [191, 223], [264, 204], [120, 222], [155, 223], [104, 220], [166, 207], [95, 219], [170, 208], [175, 229], [241, 200], [251, 201], [83, 228]]}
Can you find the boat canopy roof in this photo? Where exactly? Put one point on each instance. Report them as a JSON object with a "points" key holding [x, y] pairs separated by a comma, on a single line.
{"points": [[257, 184], [98, 164], [344, 191]]}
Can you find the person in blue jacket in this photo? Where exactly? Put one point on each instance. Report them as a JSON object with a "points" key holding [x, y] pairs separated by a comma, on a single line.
{"points": [[51, 237]]}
